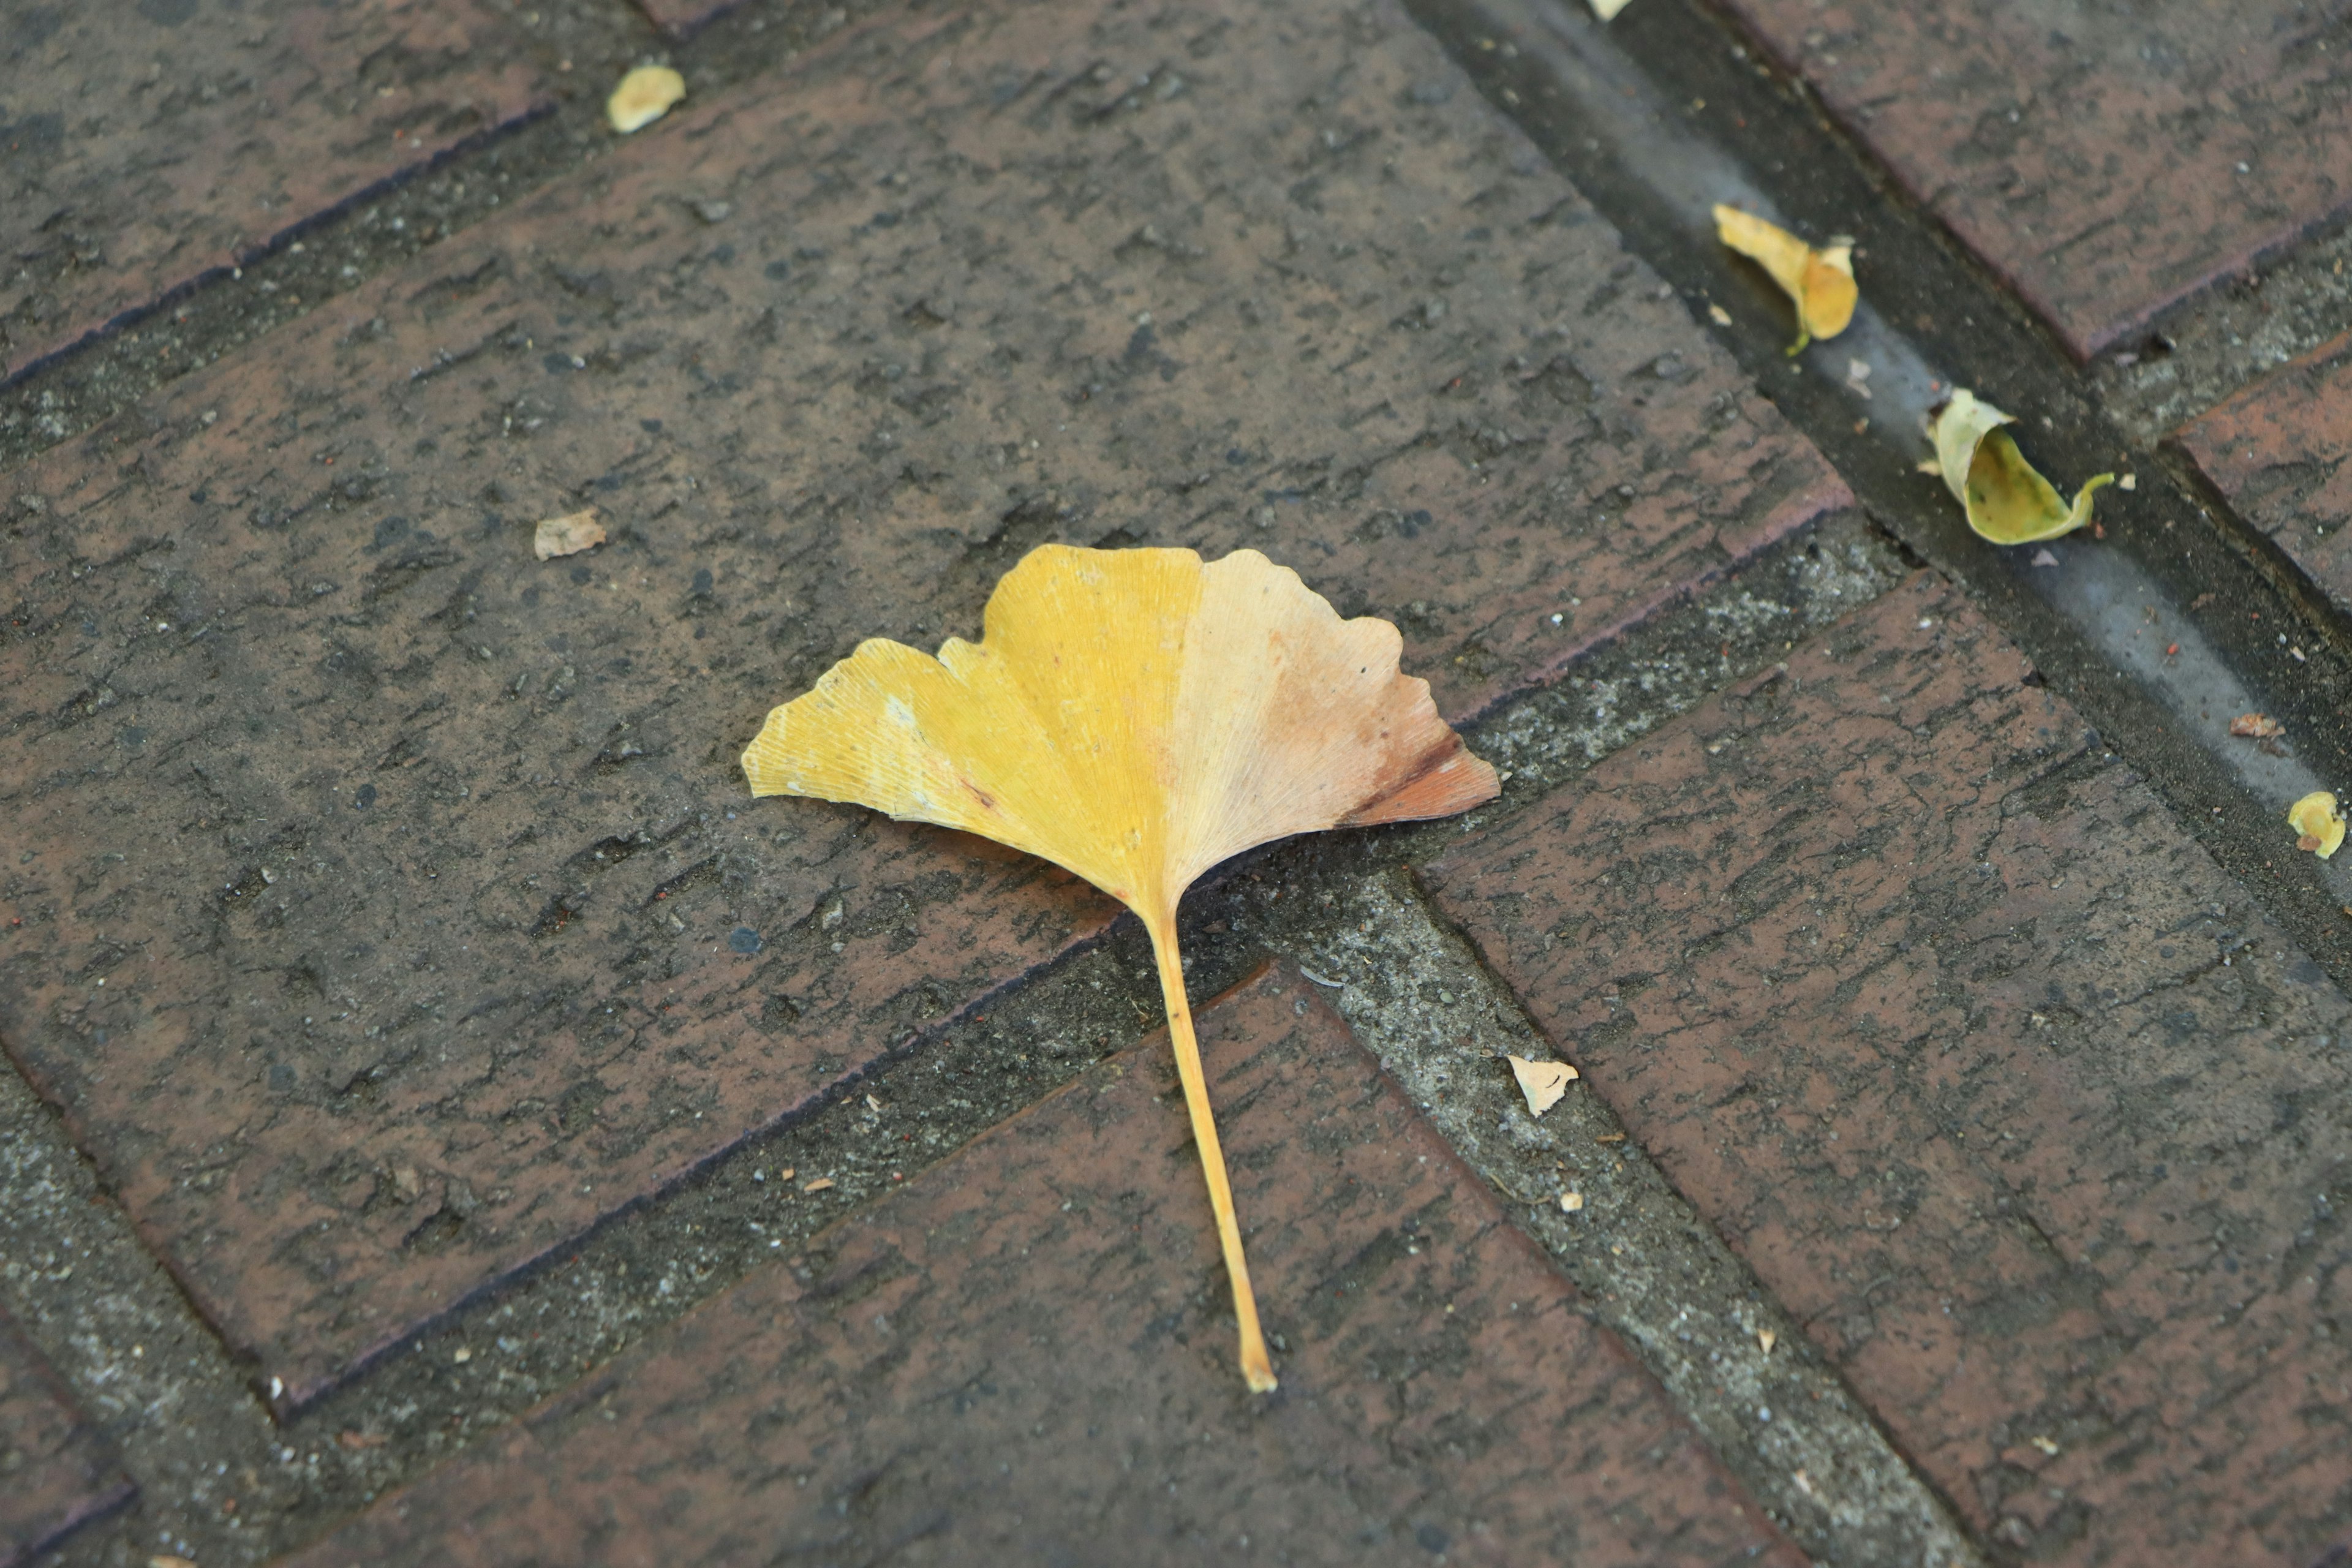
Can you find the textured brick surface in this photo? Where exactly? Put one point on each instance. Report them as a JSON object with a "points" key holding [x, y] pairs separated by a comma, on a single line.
{"points": [[680, 17], [1993, 1076], [56, 1471], [2281, 453], [2105, 160], [147, 142], [1026, 1356], [406, 861]]}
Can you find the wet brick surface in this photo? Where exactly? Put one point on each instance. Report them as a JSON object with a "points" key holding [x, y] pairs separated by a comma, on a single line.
{"points": [[1027, 1354], [148, 143], [2281, 454], [388, 920], [2104, 160], [56, 1470], [1995, 1080]]}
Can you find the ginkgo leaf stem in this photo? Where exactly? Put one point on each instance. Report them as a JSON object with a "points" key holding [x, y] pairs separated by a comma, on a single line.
{"points": [[1255, 1368]]}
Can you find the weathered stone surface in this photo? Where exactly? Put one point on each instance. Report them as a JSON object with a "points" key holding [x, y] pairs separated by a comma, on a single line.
{"points": [[149, 141], [1985, 1067], [1027, 1355], [433, 922], [2281, 453], [2104, 160], [56, 1470]]}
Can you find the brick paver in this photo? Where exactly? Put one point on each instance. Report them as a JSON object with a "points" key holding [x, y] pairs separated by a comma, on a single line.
{"points": [[2278, 453], [149, 143], [56, 1470], [1026, 1355], [2104, 160], [1994, 1077], [387, 915], [680, 17]]}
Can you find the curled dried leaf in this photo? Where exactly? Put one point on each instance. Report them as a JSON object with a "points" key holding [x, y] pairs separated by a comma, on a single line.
{"points": [[1819, 281], [2256, 726], [2008, 501], [2318, 828], [645, 95], [567, 536], [1542, 1082], [1137, 716]]}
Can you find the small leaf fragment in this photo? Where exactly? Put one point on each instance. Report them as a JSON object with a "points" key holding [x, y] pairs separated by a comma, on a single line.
{"points": [[1819, 281], [822, 1184], [2256, 726], [2007, 500], [1607, 9], [567, 536], [1542, 1082], [2319, 829], [1767, 1339], [645, 95]]}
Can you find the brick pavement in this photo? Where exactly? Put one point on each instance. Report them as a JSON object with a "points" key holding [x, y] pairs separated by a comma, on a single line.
{"points": [[680, 18], [1025, 1355], [2104, 160], [1985, 1067], [390, 918], [2277, 452], [57, 1470], [149, 143]]}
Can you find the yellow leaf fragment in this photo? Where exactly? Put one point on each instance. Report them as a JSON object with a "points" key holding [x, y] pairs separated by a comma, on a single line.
{"points": [[1542, 1082], [1136, 716], [1607, 9], [1819, 281], [567, 536], [2008, 501], [2318, 828], [645, 95]]}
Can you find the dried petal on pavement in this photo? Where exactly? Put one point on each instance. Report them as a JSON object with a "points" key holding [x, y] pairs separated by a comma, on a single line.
{"points": [[1542, 1082], [2318, 827], [1819, 281], [567, 536], [2256, 726], [822, 1184], [2007, 500], [645, 95], [1136, 717]]}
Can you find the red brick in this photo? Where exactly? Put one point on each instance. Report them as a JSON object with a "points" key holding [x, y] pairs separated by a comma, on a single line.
{"points": [[680, 17], [1027, 1354], [150, 143], [2104, 160], [56, 1470], [2277, 452], [1996, 1081], [813, 403]]}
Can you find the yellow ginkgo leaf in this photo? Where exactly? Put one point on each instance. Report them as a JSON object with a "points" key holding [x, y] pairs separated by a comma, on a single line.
{"points": [[2007, 500], [1819, 281], [2318, 827], [1136, 717], [645, 95]]}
